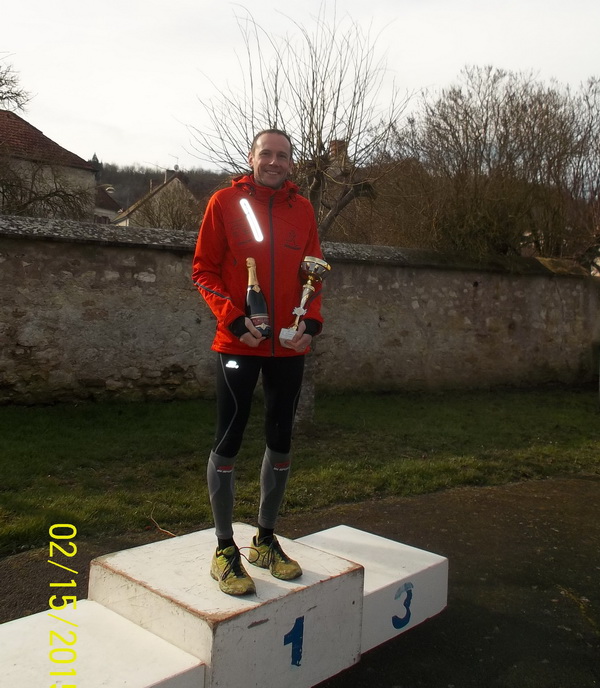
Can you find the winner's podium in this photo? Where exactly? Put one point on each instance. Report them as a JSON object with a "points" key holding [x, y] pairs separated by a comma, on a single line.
{"points": [[293, 634], [155, 618]]}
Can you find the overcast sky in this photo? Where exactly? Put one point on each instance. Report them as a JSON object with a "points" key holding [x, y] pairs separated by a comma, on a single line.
{"points": [[123, 78]]}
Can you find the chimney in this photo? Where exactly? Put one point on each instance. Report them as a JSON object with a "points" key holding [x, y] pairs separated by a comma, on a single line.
{"points": [[338, 158], [337, 148]]}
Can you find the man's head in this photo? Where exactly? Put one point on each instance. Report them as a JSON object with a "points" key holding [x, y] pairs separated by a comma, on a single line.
{"points": [[270, 157]]}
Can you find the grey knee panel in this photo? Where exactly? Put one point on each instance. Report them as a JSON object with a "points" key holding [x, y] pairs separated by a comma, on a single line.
{"points": [[274, 475], [221, 489]]}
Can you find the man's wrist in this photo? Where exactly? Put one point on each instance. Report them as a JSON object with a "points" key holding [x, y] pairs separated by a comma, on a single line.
{"points": [[238, 327], [312, 327]]}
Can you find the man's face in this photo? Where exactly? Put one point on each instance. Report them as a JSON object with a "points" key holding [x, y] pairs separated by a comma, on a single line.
{"points": [[271, 160]]}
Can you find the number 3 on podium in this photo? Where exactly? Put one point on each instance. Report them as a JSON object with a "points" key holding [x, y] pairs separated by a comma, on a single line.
{"points": [[397, 621]]}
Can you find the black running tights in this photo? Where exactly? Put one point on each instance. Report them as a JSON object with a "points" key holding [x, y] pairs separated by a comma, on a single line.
{"points": [[236, 379]]}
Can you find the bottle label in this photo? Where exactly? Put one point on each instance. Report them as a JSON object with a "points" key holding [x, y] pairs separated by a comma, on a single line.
{"points": [[260, 320]]}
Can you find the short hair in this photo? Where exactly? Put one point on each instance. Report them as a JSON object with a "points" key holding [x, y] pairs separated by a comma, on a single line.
{"points": [[272, 131]]}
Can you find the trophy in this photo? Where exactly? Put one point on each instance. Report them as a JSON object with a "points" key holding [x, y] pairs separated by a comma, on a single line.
{"points": [[314, 270]]}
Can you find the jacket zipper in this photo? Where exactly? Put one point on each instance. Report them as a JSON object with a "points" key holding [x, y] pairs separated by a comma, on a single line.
{"points": [[273, 335]]}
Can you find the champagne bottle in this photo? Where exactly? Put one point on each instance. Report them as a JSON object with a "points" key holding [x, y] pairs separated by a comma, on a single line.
{"points": [[256, 304]]}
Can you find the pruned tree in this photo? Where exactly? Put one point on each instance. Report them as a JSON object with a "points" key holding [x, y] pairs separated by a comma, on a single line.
{"points": [[325, 87], [328, 90]]}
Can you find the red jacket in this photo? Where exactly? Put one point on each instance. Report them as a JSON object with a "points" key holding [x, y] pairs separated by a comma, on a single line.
{"points": [[226, 239]]}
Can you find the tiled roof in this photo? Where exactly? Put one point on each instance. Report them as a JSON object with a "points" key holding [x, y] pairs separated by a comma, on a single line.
{"points": [[19, 139]]}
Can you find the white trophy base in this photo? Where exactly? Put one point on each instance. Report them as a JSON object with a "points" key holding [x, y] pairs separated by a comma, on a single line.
{"points": [[286, 334]]}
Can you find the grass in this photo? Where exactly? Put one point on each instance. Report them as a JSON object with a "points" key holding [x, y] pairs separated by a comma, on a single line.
{"points": [[112, 468]]}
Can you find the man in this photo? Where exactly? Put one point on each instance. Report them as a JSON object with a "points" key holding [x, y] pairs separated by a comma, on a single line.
{"points": [[260, 216]]}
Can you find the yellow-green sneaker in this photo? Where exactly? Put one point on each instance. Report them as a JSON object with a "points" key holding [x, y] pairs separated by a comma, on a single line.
{"points": [[227, 568], [269, 555]]}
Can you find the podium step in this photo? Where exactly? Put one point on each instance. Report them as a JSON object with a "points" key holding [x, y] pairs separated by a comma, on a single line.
{"points": [[294, 634], [97, 647], [403, 585]]}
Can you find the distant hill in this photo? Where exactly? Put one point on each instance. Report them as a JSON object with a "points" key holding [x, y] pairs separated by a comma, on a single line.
{"points": [[131, 182]]}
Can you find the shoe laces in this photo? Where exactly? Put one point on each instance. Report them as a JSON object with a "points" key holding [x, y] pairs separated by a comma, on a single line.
{"points": [[234, 563], [275, 552]]}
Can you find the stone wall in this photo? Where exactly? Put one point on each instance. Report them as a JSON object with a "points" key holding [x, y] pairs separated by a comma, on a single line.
{"points": [[417, 323], [84, 316]]}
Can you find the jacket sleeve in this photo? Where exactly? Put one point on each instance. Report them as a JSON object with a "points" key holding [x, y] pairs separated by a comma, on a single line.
{"points": [[209, 255]]}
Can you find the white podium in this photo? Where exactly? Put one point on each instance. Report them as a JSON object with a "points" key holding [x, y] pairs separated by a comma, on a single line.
{"points": [[156, 619], [403, 587], [293, 634], [102, 649]]}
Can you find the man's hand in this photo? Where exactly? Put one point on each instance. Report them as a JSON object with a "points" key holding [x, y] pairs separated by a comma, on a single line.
{"points": [[253, 337], [300, 340]]}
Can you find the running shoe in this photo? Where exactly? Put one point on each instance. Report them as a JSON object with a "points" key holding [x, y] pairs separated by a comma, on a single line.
{"points": [[227, 568], [269, 555]]}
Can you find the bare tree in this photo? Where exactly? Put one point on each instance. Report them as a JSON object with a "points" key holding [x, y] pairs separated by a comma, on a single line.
{"points": [[12, 95], [42, 190], [324, 87], [400, 214], [514, 165]]}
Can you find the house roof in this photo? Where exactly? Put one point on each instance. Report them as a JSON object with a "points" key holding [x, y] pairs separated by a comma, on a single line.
{"points": [[157, 189], [19, 139], [105, 201]]}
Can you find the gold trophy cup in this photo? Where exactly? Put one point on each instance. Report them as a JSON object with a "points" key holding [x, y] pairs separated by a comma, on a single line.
{"points": [[313, 270]]}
